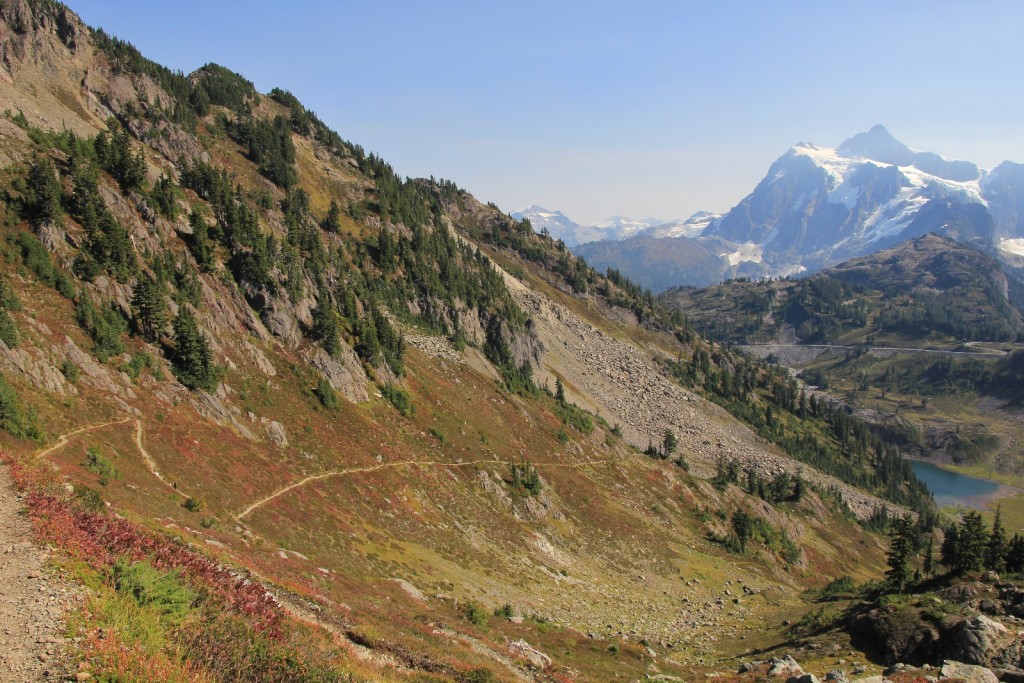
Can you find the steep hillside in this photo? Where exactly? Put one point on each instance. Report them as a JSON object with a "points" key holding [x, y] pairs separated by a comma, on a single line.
{"points": [[930, 290], [284, 411], [657, 264], [922, 339]]}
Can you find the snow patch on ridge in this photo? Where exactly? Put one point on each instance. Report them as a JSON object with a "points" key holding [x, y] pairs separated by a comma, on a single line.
{"points": [[747, 252], [1013, 246]]}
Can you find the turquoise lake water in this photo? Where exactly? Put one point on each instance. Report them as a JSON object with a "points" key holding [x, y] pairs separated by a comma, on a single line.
{"points": [[951, 488]]}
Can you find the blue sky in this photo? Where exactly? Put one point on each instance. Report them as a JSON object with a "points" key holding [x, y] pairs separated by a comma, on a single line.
{"points": [[636, 108]]}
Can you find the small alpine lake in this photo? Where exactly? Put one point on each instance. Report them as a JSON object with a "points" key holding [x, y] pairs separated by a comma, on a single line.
{"points": [[953, 488]]}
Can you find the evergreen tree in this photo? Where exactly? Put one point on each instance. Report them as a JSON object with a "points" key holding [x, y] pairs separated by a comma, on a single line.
{"points": [[901, 549], [950, 551], [973, 542], [325, 324], [559, 390], [669, 443], [44, 192], [332, 221], [368, 347], [929, 557], [995, 553], [1015, 555], [743, 527], [150, 307], [193, 360]]}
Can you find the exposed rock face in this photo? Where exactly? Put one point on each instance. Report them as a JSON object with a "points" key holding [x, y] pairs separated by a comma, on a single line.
{"points": [[343, 372], [911, 634], [897, 639], [977, 641]]}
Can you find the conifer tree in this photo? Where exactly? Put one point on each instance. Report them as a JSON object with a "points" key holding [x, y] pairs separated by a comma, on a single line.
{"points": [[901, 550], [1015, 555], [950, 550], [973, 540], [325, 323], [332, 221], [193, 362], [669, 443], [995, 553], [44, 192], [929, 558], [150, 307]]}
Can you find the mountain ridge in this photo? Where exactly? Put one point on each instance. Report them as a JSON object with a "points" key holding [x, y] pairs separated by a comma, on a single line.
{"points": [[818, 206]]}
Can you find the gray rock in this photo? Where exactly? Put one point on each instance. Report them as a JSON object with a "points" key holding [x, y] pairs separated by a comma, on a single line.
{"points": [[343, 372], [535, 658], [784, 666], [837, 676], [806, 678], [976, 641], [969, 673], [275, 432]]}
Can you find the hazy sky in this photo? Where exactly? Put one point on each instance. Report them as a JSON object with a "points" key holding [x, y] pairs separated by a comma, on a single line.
{"points": [[595, 108]]}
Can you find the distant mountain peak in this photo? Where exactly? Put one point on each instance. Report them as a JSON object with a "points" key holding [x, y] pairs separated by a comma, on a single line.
{"points": [[877, 144]]}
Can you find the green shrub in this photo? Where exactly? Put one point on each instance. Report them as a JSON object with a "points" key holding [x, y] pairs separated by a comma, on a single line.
{"points": [[8, 330], [165, 592], [476, 614], [89, 498], [400, 399], [325, 392], [70, 371], [21, 423], [98, 463], [505, 610], [575, 417]]}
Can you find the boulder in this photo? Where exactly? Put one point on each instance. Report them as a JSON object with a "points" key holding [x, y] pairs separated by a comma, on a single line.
{"points": [[535, 658], [976, 641], [784, 666], [968, 673], [897, 636]]}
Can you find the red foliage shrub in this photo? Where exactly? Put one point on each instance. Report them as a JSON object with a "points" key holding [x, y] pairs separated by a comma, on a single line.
{"points": [[100, 539]]}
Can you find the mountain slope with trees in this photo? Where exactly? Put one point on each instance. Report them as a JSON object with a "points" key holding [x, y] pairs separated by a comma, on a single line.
{"points": [[289, 412]]}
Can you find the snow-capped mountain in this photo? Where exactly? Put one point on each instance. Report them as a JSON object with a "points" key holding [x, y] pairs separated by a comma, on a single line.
{"points": [[691, 227], [623, 227], [555, 222], [573, 234], [818, 206]]}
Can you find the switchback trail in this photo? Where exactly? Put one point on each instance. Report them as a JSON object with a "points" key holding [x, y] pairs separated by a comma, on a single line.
{"points": [[63, 439], [150, 462], [388, 465]]}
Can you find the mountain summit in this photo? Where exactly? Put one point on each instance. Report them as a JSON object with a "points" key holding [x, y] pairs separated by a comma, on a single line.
{"points": [[817, 206], [877, 144]]}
